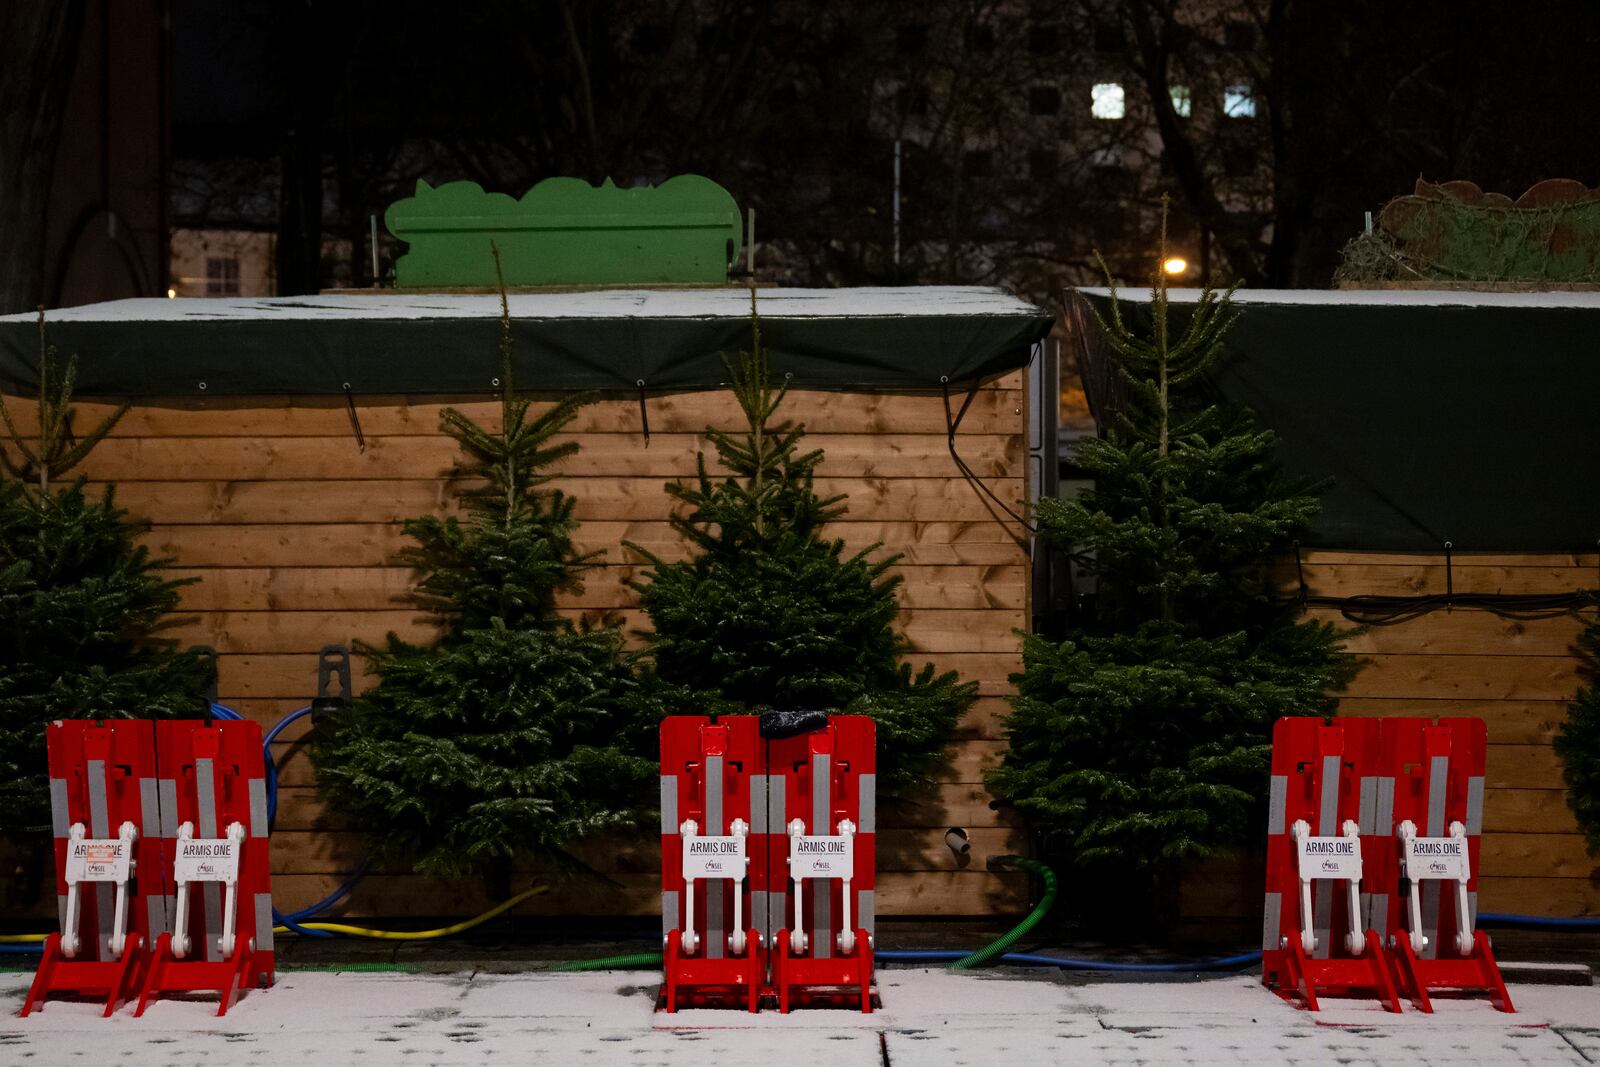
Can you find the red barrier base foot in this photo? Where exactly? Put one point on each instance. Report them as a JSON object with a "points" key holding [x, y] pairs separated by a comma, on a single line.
{"points": [[229, 977], [811, 982], [1477, 973], [1293, 975], [114, 979], [696, 982]]}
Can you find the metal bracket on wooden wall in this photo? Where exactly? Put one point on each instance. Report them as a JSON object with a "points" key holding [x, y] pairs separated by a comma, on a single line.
{"points": [[333, 682]]}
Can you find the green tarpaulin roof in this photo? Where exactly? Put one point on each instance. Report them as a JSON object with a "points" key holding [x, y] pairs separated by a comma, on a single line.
{"points": [[887, 340], [1472, 418]]}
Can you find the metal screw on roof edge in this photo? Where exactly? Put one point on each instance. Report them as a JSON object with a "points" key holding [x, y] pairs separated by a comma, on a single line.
{"points": [[495, 382], [347, 387], [202, 385]]}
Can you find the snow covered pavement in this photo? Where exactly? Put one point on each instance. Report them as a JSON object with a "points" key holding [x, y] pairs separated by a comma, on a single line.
{"points": [[929, 1017]]}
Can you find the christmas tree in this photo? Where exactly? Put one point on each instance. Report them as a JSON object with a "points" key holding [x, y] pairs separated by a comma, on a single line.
{"points": [[770, 613], [1143, 738], [81, 602], [517, 734], [1577, 743]]}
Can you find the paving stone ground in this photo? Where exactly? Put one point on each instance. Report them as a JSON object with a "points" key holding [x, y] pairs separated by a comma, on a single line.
{"points": [[929, 1017]]}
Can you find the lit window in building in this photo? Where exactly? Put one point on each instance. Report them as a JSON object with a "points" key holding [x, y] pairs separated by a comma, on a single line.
{"points": [[1182, 102], [1238, 102], [1106, 101], [222, 275]]}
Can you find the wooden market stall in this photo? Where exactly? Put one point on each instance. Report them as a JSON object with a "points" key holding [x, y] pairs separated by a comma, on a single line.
{"points": [[276, 446], [1454, 435]]}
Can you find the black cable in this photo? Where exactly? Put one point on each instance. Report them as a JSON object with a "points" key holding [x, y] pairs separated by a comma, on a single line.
{"points": [[644, 413], [952, 423], [355, 419], [1379, 610]]}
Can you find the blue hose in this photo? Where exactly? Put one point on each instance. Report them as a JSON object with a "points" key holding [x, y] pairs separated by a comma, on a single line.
{"points": [[1506, 919], [18, 950], [292, 921], [1223, 963]]}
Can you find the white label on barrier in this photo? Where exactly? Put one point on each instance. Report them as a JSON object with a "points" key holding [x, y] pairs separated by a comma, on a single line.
{"points": [[1436, 857], [1330, 857], [202, 859], [97, 861], [821, 857], [713, 857]]}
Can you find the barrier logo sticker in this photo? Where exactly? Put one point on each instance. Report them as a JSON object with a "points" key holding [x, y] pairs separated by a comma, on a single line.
{"points": [[821, 857], [1437, 857], [207, 860], [1330, 857], [98, 861], [714, 857]]}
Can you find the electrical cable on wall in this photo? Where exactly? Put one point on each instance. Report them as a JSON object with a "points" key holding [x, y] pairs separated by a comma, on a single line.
{"points": [[952, 421], [1375, 609]]}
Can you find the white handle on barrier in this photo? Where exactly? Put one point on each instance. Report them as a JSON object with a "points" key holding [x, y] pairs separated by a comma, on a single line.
{"points": [[1463, 910], [82, 867], [69, 922], [1333, 858], [1441, 859], [847, 930], [229, 876], [714, 857], [180, 918], [690, 941], [231, 897], [736, 938], [797, 939]]}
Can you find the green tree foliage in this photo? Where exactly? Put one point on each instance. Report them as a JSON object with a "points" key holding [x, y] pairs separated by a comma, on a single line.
{"points": [[770, 613], [1577, 743], [81, 603], [518, 733], [1143, 738]]}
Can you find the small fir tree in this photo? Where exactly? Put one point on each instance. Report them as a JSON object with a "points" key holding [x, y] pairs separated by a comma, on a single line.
{"points": [[1577, 743], [770, 613], [516, 734], [81, 602], [1143, 738]]}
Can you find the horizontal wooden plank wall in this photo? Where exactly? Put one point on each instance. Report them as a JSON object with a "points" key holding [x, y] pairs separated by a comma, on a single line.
{"points": [[1518, 675], [292, 531]]}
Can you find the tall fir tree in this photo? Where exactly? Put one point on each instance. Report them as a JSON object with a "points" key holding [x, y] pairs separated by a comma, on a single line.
{"points": [[1143, 738], [81, 601], [517, 734], [770, 613], [1577, 743]]}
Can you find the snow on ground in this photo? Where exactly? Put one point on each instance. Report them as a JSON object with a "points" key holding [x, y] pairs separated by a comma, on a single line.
{"points": [[929, 1017]]}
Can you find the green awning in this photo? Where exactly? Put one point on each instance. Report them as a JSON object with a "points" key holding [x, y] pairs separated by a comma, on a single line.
{"points": [[1472, 418], [881, 340]]}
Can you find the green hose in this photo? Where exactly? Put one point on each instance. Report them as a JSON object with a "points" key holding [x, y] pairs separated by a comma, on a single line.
{"points": [[613, 963], [995, 948], [1002, 944]]}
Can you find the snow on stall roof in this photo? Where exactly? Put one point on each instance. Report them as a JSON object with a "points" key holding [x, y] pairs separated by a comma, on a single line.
{"points": [[727, 303], [1372, 297]]}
